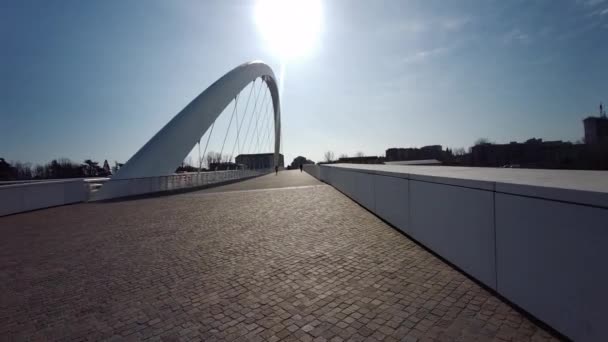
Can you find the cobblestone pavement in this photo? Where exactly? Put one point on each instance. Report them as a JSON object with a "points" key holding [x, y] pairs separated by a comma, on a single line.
{"points": [[297, 264], [284, 179]]}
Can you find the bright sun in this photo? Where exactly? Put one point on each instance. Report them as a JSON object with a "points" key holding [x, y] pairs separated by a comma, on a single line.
{"points": [[290, 27]]}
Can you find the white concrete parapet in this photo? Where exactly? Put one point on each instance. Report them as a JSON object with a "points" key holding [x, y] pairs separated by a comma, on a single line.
{"points": [[22, 197], [18, 198], [537, 237]]}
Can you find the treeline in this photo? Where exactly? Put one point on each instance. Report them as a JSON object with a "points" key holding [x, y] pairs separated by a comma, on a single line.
{"points": [[56, 168], [211, 161]]}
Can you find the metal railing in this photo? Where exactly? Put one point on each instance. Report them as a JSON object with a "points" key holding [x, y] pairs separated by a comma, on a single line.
{"points": [[140, 186]]}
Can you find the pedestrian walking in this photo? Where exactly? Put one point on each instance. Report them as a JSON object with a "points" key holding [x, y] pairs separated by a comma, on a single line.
{"points": [[276, 170], [300, 167]]}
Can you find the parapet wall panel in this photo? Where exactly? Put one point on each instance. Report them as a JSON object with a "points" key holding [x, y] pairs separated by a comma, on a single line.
{"points": [[391, 201], [364, 190], [32, 196], [456, 223], [551, 260]]}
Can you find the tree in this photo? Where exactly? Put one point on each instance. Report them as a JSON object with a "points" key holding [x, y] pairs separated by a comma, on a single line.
{"points": [[459, 151], [64, 168], [6, 170], [359, 154], [56, 168], [482, 141], [328, 156], [23, 171], [299, 160], [106, 168], [39, 172], [215, 158], [91, 168], [116, 167], [343, 155], [226, 158]]}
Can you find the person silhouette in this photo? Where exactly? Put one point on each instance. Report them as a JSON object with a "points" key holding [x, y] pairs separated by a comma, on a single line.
{"points": [[276, 170], [300, 167]]}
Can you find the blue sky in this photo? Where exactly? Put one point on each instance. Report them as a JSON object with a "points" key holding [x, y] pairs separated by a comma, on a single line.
{"points": [[96, 79]]}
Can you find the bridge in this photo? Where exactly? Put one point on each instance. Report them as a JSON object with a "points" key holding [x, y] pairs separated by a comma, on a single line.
{"points": [[272, 258], [338, 252]]}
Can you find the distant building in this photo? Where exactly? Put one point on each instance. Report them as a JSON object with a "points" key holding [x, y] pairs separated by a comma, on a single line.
{"points": [[362, 160], [258, 161], [534, 153], [426, 152], [596, 129]]}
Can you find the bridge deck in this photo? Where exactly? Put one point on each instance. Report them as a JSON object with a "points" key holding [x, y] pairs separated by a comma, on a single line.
{"points": [[297, 263]]}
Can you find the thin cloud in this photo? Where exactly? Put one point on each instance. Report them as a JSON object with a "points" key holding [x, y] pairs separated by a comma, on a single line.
{"points": [[516, 36], [417, 26], [590, 3], [579, 30], [593, 2], [410, 26], [455, 24], [597, 12], [423, 55]]}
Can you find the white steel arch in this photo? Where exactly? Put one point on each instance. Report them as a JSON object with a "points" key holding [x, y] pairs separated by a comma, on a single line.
{"points": [[161, 155]]}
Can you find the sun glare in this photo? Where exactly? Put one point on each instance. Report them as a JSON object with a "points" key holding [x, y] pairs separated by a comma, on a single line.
{"points": [[289, 27]]}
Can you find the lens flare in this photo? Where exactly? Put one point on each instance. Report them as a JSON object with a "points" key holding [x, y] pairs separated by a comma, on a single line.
{"points": [[289, 27]]}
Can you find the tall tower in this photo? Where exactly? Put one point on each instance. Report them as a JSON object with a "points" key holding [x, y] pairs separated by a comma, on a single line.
{"points": [[596, 128]]}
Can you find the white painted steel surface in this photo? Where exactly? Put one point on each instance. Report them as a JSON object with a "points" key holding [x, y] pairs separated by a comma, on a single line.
{"points": [[167, 149], [538, 237]]}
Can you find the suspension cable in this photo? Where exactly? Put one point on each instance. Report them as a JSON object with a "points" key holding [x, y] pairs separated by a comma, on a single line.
{"points": [[207, 144], [245, 111], [257, 119], [270, 125], [237, 131], [199, 155], [236, 114], [264, 128], [228, 129], [261, 118], [249, 126]]}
